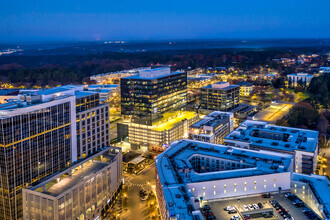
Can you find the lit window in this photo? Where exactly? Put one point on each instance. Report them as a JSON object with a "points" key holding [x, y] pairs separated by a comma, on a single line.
{"points": [[225, 191], [235, 184], [224, 186], [274, 185], [204, 188], [214, 187], [193, 189], [235, 190], [295, 185], [265, 186], [264, 181], [214, 192], [303, 187], [244, 188], [203, 193], [296, 166], [274, 180], [255, 182], [255, 187], [245, 183], [295, 191]]}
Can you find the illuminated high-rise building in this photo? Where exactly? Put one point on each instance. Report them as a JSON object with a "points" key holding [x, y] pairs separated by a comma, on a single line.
{"points": [[146, 96]]}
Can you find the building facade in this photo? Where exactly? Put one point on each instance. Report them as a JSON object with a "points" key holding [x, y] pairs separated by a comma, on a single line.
{"points": [[82, 191], [220, 97], [245, 88], [213, 127], [158, 136], [152, 92], [37, 139], [259, 135], [93, 123], [302, 79], [190, 172]]}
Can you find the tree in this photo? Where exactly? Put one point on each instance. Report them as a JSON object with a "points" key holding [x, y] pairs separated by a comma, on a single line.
{"points": [[322, 124], [303, 115]]}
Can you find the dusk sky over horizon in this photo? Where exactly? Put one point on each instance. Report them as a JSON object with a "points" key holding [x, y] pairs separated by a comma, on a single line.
{"points": [[80, 20]]}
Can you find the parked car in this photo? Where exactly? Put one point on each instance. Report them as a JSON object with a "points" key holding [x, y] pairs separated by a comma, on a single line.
{"points": [[288, 194], [250, 206], [255, 206], [245, 208], [266, 195], [260, 205], [235, 217], [233, 211], [227, 208]]}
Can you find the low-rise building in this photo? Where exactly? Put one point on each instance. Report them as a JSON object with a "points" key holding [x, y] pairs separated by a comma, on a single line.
{"points": [[260, 135], [190, 172], [173, 126], [220, 96], [106, 91], [245, 88], [82, 191], [302, 79], [213, 127]]}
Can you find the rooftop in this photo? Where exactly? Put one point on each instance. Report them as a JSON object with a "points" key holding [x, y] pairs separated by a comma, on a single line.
{"points": [[170, 119], [70, 181], [301, 74], [149, 76], [175, 170], [84, 93], [260, 133], [221, 86], [212, 119], [59, 183]]}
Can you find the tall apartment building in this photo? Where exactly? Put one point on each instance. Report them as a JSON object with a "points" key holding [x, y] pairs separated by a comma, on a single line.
{"points": [[259, 135], [220, 96], [82, 191], [37, 138], [213, 127], [152, 92], [93, 124]]}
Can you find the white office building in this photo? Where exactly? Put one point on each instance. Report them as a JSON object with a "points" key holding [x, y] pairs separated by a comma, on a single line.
{"points": [[299, 79]]}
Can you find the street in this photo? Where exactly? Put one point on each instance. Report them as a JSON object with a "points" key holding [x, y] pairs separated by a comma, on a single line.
{"points": [[137, 209]]}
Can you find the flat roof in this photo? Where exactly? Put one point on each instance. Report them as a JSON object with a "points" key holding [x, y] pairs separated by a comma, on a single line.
{"points": [[70, 181], [79, 171], [261, 133], [171, 119], [80, 94], [173, 163], [151, 78], [225, 88], [212, 119], [137, 160]]}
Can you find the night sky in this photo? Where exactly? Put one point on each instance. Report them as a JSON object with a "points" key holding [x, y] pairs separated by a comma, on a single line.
{"points": [[71, 20]]}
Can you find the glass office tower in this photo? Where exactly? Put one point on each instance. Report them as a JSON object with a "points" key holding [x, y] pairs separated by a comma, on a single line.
{"points": [[35, 141], [146, 96], [220, 97]]}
